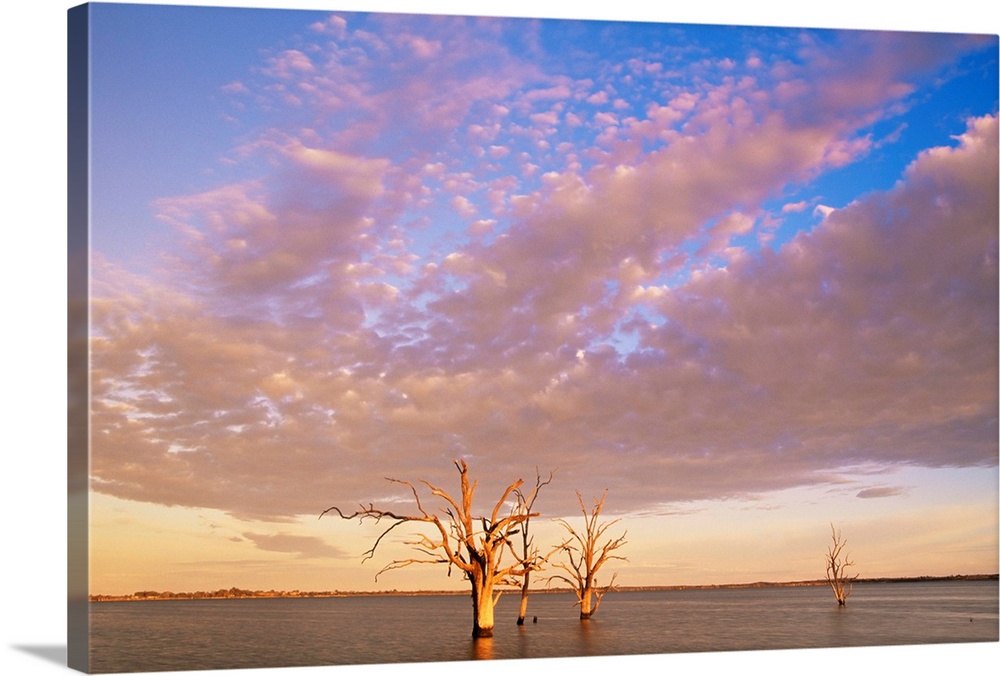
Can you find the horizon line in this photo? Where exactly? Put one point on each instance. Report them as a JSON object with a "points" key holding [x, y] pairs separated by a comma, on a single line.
{"points": [[248, 593]]}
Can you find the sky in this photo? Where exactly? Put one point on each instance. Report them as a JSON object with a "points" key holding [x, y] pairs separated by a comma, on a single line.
{"points": [[743, 278]]}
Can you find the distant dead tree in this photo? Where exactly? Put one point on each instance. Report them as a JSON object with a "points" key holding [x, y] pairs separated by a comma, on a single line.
{"points": [[586, 554], [837, 563], [473, 544], [528, 552]]}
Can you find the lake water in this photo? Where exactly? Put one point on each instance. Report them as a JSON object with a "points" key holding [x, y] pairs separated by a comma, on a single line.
{"points": [[252, 633]]}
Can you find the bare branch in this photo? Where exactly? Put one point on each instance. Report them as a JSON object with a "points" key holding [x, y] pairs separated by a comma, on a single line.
{"points": [[837, 563], [586, 554], [473, 544]]}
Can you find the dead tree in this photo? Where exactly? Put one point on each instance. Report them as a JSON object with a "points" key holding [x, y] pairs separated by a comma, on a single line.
{"points": [[528, 552], [473, 544], [837, 563], [586, 554]]}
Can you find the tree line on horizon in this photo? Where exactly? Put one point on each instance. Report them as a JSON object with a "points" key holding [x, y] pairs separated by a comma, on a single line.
{"points": [[231, 593]]}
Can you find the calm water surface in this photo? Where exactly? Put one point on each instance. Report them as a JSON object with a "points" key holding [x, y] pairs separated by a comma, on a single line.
{"points": [[251, 633]]}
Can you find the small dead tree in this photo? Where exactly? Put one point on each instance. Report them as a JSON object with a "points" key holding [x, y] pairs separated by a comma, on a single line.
{"points": [[837, 563], [473, 544], [528, 552], [586, 553]]}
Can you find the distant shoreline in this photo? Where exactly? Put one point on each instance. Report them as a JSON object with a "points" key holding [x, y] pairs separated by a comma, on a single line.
{"points": [[236, 593]]}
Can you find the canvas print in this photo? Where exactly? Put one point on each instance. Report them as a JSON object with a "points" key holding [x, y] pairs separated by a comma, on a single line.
{"points": [[544, 338]]}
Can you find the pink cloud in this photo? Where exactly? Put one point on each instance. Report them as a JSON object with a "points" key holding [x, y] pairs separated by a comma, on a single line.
{"points": [[422, 48], [869, 339], [880, 492], [335, 25], [329, 319], [289, 64]]}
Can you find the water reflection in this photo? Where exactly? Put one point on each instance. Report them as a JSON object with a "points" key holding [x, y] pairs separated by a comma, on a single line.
{"points": [[482, 649], [587, 639], [234, 633]]}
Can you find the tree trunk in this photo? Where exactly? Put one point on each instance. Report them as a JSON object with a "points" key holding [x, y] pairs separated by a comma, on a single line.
{"points": [[482, 607], [524, 600], [484, 622], [586, 608]]}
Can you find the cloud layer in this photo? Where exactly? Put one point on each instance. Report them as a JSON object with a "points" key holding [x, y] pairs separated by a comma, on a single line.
{"points": [[473, 238]]}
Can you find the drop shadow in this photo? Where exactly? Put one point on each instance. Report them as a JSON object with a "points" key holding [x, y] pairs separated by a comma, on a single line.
{"points": [[51, 653]]}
